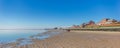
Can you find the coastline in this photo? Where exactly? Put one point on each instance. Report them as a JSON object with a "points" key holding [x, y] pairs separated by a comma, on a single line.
{"points": [[77, 39], [25, 41], [80, 40]]}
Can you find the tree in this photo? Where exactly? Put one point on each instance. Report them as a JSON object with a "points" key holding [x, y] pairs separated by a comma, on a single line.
{"points": [[91, 22], [83, 25], [114, 21]]}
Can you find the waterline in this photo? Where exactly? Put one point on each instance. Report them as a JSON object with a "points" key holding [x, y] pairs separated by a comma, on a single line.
{"points": [[12, 35]]}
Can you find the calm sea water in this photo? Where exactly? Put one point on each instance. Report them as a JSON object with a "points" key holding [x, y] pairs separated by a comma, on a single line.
{"points": [[12, 35]]}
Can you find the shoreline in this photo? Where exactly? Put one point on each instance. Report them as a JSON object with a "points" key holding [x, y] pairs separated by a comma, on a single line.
{"points": [[85, 40], [77, 39], [25, 41], [80, 40]]}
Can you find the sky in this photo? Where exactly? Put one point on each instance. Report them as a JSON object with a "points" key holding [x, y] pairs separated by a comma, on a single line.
{"points": [[55, 13]]}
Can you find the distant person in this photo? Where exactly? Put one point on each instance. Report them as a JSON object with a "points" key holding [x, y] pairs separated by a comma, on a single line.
{"points": [[68, 30], [55, 28]]}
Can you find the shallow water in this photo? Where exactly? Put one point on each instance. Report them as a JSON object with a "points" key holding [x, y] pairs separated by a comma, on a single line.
{"points": [[12, 35]]}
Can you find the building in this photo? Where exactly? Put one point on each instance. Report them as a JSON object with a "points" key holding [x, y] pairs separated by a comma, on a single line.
{"points": [[103, 23], [107, 21], [75, 26]]}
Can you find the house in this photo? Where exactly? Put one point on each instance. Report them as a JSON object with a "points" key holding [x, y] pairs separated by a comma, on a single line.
{"points": [[88, 25], [107, 21], [103, 23], [75, 26]]}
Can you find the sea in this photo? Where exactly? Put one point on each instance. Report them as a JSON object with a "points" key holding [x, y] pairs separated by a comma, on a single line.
{"points": [[7, 36]]}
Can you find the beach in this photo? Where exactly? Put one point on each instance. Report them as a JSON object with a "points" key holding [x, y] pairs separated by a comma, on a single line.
{"points": [[78, 39]]}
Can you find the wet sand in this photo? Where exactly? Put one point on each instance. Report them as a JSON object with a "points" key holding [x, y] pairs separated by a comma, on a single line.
{"points": [[78, 39]]}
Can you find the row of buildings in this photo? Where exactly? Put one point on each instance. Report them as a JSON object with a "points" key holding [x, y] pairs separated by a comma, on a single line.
{"points": [[103, 23]]}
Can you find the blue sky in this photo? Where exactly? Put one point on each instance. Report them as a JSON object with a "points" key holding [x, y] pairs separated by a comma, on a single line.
{"points": [[55, 13]]}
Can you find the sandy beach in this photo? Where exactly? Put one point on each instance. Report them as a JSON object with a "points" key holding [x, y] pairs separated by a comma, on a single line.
{"points": [[78, 39]]}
